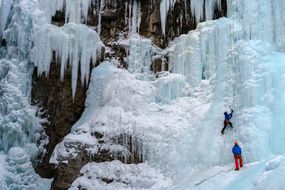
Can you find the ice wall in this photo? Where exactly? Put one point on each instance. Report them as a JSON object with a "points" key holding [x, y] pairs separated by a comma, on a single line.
{"points": [[243, 69], [75, 44], [260, 20], [193, 55]]}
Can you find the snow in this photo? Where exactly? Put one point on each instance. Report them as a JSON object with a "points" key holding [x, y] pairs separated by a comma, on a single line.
{"points": [[122, 176], [75, 44]]}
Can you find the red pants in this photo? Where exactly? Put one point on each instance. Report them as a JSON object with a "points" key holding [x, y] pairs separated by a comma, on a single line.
{"points": [[238, 158]]}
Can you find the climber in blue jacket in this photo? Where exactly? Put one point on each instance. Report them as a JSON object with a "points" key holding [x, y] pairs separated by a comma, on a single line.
{"points": [[227, 120], [237, 155]]}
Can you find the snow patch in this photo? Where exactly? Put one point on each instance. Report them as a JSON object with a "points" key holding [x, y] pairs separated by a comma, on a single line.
{"points": [[274, 163], [116, 175]]}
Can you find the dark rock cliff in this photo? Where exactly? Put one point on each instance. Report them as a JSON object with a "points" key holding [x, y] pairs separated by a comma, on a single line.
{"points": [[54, 96]]}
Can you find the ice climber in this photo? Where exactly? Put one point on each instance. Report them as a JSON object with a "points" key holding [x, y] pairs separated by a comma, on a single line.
{"points": [[237, 155], [227, 120]]}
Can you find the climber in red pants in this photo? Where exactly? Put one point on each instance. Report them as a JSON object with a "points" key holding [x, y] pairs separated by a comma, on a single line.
{"points": [[237, 155]]}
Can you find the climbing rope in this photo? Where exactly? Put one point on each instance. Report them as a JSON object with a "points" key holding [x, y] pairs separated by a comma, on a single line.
{"points": [[233, 41]]}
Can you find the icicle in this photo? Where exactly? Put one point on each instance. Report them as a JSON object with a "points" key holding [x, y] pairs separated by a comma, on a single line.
{"points": [[134, 16], [78, 43], [102, 4], [164, 8], [196, 6], [74, 9]]}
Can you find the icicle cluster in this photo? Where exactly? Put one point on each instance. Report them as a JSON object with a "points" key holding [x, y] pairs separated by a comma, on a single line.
{"points": [[165, 5], [196, 6], [73, 43], [75, 10], [134, 16]]}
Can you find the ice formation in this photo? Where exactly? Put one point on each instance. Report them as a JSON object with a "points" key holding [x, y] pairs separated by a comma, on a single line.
{"points": [[198, 9], [75, 10], [192, 56], [164, 8], [101, 4], [134, 16], [75, 44], [139, 52]]}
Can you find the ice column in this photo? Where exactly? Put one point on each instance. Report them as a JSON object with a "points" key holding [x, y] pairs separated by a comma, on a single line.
{"points": [[101, 4]]}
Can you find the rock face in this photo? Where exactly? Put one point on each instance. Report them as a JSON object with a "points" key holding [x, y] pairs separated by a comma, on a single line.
{"points": [[55, 99]]}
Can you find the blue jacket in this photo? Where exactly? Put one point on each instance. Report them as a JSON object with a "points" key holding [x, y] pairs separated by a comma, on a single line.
{"points": [[236, 150], [228, 116]]}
